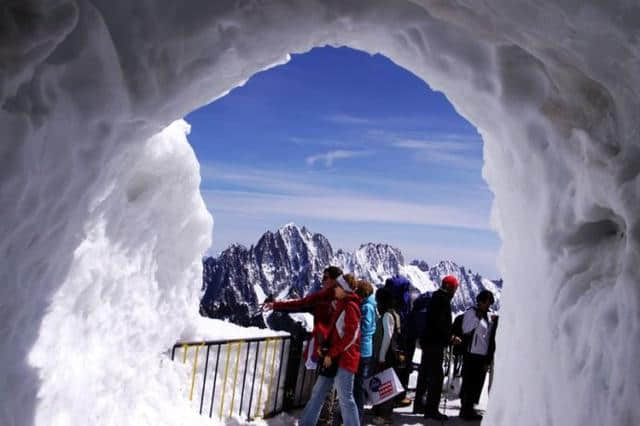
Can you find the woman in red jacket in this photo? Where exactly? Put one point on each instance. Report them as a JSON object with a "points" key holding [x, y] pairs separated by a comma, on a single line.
{"points": [[344, 351], [321, 305]]}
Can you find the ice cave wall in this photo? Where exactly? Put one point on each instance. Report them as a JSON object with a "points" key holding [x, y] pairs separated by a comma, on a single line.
{"points": [[102, 224]]}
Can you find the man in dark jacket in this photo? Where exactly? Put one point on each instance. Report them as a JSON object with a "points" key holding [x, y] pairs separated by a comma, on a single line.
{"points": [[437, 336]]}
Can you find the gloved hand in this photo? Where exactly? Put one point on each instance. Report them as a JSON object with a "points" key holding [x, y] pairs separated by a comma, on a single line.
{"points": [[267, 305]]}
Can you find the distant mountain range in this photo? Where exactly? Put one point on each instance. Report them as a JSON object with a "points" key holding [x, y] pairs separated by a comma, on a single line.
{"points": [[288, 264]]}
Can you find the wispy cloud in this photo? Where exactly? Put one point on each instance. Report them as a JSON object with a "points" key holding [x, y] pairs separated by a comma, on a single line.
{"points": [[456, 153], [348, 119], [429, 145], [257, 180], [331, 156], [311, 181], [341, 207], [317, 141]]}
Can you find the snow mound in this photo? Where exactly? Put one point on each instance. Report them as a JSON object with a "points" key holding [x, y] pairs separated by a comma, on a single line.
{"points": [[103, 227]]}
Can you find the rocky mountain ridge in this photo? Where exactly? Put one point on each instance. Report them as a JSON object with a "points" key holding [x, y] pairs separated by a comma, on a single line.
{"points": [[288, 263]]}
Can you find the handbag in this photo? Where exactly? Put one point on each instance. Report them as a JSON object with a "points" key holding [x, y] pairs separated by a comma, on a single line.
{"points": [[330, 371]]}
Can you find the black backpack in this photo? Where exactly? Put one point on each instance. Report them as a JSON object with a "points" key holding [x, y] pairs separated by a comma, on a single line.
{"points": [[417, 322]]}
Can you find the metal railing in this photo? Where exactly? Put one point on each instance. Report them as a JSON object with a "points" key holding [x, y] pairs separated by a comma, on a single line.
{"points": [[257, 377], [243, 377]]}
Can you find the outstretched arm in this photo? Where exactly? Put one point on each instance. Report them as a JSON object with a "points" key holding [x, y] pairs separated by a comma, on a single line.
{"points": [[305, 304]]}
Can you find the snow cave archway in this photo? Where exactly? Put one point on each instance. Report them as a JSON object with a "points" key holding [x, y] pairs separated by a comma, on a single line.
{"points": [[103, 224]]}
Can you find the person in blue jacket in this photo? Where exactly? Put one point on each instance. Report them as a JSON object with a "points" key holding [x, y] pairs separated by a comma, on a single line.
{"points": [[367, 330]]}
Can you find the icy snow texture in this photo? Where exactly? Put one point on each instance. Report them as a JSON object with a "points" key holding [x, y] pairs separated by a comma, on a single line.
{"points": [[102, 228]]}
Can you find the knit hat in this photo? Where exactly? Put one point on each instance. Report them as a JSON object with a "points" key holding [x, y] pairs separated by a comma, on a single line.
{"points": [[344, 284], [450, 282]]}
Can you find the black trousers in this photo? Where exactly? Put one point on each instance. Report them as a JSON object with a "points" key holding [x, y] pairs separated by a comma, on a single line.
{"points": [[409, 346], [403, 376], [430, 377], [474, 371]]}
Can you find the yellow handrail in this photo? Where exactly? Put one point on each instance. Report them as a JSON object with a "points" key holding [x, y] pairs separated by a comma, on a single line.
{"points": [[193, 372], [262, 407], [185, 348], [235, 379], [224, 385], [273, 364], [264, 365]]}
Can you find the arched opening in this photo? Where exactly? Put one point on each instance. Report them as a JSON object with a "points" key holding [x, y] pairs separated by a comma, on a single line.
{"points": [[371, 170], [352, 147], [96, 226]]}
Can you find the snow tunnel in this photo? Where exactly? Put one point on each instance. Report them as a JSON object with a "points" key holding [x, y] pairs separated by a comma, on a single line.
{"points": [[103, 224]]}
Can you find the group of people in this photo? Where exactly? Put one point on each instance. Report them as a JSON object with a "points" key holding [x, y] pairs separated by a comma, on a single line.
{"points": [[358, 332]]}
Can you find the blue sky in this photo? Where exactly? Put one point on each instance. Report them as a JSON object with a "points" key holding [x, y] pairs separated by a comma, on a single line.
{"points": [[353, 147]]}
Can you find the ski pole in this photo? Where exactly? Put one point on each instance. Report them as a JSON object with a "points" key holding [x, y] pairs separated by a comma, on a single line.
{"points": [[448, 355]]}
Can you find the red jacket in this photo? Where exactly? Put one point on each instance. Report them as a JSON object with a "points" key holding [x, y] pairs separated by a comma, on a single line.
{"points": [[320, 305], [345, 333]]}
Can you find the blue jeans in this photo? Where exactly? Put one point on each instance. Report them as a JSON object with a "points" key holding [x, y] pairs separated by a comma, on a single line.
{"points": [[344, 385], [365, 370]]}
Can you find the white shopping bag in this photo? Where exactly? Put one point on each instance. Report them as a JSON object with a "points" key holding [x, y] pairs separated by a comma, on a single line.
{"points": [[383, 386]]}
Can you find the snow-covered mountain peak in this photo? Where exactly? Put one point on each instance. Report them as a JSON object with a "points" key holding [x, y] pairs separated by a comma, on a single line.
{"points": [[290, 225], [420, 264], [376, 262], [289, 263], [446, 267], [235, 247]]}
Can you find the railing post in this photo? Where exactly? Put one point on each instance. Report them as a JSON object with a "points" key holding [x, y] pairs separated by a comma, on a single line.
{"points": [[215, 379], [193, 373], [253, 381], [224, 384], [275, 405], [296, 344], [244, 377], [235, 379], [270, 385], [204, 378], [264, 367]]}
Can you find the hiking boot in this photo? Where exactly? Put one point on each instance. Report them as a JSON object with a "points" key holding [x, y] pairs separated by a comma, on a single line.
{"points": [[403, 402], [418, 408], [470, 415], [435, 415]]}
